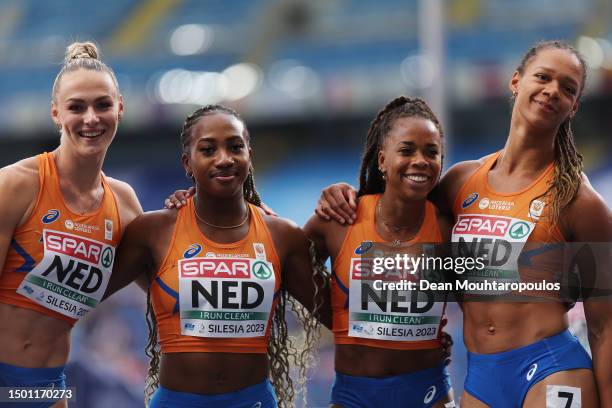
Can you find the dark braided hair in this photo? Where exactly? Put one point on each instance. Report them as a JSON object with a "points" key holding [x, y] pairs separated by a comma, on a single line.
{"points": [[250, 193], [370, 178], [568, 162]]}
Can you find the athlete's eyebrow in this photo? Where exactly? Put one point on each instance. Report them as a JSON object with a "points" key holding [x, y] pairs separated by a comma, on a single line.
{"points": [[564, 77], [211, 139], [83, 100]]}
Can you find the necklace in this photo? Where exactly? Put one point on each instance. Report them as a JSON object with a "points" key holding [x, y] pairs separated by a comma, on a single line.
{"points": [[394, 229], [246, 217]]}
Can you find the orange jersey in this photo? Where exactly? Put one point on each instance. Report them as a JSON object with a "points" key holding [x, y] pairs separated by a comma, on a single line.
{"points": [[211, 297], [392, 324], [511, 231], [59, 262]]}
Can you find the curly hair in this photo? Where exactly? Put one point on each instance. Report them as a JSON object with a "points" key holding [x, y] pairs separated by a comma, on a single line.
{"points": [[284, 352], [370, 178]]}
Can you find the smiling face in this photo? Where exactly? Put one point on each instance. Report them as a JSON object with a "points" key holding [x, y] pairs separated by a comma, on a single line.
{"points": [[87, 109], [411, 157], [218, 154], [548, 90]]}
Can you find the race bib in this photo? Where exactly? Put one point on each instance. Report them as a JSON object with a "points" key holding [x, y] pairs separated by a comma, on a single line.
{"points": [[498, 241], [390, 306], [72, 276], [225, 297]]}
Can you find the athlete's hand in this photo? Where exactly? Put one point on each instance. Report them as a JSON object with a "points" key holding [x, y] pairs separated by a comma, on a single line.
{"points": [[338, 202], [447, 343], [179, 198]]}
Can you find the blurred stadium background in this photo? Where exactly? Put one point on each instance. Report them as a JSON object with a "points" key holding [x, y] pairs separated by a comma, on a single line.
{"points": [[308, 76]]}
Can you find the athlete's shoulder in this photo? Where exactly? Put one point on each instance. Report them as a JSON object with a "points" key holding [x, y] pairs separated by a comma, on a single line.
{"points": [[279, 225], [588, 217], [445, 193], [129, 206], [20, 185]]}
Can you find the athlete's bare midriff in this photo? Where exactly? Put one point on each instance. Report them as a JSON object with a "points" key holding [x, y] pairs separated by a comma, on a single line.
{"points": [[212, 373], [32, 340], [366, 361], [496, 327]]}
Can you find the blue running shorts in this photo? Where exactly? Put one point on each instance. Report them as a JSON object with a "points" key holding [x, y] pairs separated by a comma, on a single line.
{"points": [[18, 377], [417, 389], [502, 380], [260, 395]]}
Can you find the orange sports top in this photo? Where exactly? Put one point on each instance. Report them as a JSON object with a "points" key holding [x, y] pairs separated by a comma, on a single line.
{"points": [[512, 229], [390, 321], [211, 297], [59, 262]]}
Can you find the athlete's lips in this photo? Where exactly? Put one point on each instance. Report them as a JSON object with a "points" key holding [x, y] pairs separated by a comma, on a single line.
{"points": [[419, 178], [546, 106], [91, 133], [223, 176]]}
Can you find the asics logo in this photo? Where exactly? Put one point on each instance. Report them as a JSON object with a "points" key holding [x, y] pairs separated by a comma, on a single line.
{"points": [[532, 371], [256, 405], [431, 393]]}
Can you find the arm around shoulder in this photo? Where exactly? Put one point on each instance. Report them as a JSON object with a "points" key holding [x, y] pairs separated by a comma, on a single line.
{"points": [[445, 193]]}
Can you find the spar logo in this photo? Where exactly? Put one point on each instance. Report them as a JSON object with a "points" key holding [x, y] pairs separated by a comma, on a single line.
{"points": [[75, 261], [51, 216], [519, 230], [74, 246], [261, 270], [192, 251], [469, 200], [215, 268], [482, 225]]}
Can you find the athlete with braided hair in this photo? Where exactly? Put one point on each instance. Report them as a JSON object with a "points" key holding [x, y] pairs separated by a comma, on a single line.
{"points": [[61, 221], [219, 273], [535, 193], [388, 364]]}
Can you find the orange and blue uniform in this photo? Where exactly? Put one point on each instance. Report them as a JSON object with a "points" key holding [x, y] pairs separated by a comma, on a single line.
{"points": [[216, 298], [513, 232], [364, 314], [58, 263]]}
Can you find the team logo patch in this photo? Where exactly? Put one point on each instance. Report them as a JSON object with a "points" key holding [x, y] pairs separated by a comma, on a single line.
{"points": [[69, 224], [51, 216], [364, 247], [192, 251], [519, 229], [536, 208], [469, 200], [484, 203], [261, 270]]}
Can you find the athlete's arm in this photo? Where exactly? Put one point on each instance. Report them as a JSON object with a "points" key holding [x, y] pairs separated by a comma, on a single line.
{"points": [[589, 221], [142, 247], [299, 277], [338, 202], [19, 185]]}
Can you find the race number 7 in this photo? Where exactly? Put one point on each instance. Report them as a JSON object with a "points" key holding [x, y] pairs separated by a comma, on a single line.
{"points": [[560, 396]]}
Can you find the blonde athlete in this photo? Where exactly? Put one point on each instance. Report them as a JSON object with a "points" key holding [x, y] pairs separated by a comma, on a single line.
{"points": [[62, 219]]}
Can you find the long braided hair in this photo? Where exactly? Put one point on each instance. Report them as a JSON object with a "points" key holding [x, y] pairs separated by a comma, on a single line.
{"points": [[282, 349], [370, 177], [567, 161]]}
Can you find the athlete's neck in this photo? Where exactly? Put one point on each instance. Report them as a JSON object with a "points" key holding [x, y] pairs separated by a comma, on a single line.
{"points": [[220, 211], [78, 174], [527, 150], [397, 211]]}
